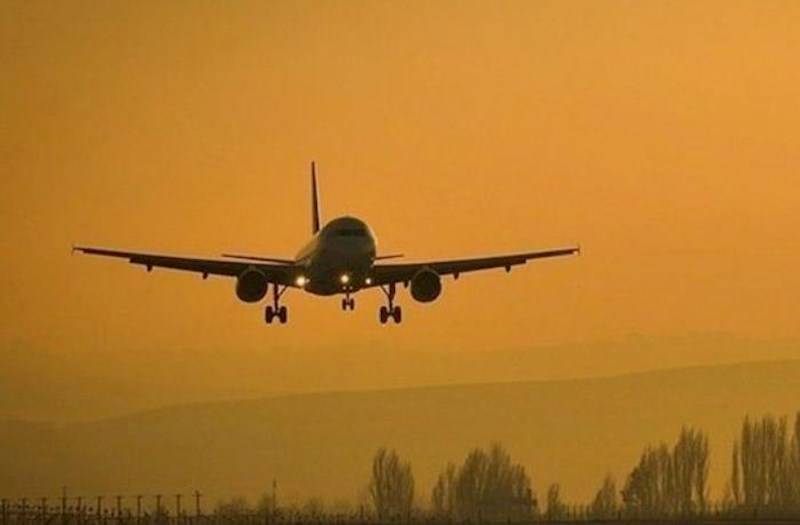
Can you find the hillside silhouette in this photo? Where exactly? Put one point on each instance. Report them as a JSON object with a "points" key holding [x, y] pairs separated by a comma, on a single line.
{"points": [[572, 432]]}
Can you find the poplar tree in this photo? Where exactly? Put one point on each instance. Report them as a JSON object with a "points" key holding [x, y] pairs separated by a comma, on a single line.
{"points": [[392, 485]]}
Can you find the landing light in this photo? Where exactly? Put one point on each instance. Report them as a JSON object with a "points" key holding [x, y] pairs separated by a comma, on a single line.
{"points": [[368, 280], [301, 281], [344, 278]]}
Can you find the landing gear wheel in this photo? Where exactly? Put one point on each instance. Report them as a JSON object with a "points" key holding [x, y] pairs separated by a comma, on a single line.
{"points": [[390, 310], [397, 315], [344, 304], [348, 303], [275, 309]]}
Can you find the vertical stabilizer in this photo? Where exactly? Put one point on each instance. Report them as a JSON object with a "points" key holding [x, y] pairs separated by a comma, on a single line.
{"points": [[314, 199]]}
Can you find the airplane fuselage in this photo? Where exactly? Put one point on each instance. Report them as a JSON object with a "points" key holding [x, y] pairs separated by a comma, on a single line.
{"points": [[338, 258]]}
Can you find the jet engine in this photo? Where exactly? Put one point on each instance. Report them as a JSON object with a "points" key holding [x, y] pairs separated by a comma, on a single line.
{"points": [[251, 285], [426, 285]]}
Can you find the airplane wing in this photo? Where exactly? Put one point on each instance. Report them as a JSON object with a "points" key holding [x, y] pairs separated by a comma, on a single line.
{"points": [[383, 274], [257, 258], [275, 273]]}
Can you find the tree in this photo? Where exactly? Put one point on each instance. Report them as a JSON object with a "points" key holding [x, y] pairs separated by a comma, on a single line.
{"points": [[443, 495], [605, 505], [392, 485], [265, 505], [669, 483], [556, 509], [649, 486], [766, 464], [487, 485], [690, 472], [794, 464], [735, 484]]}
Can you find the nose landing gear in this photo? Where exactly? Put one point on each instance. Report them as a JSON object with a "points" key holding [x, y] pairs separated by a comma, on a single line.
{"points": [[348, 303], [391, 310], [276, 310]]}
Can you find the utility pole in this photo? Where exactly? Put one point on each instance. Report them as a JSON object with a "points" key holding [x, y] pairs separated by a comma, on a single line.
{"points": [[5, 515], [177, 508], [274, 499], [44, 510], [99, 507], [64, 505], [158, 508], [24, 508], [138, 509], [197, 496], [119, 509]]}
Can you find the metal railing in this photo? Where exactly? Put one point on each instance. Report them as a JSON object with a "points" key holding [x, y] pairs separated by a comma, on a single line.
{"points": [[153, 510]]}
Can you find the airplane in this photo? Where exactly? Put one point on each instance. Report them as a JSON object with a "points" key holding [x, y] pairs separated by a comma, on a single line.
{"points": [[340, 258]]}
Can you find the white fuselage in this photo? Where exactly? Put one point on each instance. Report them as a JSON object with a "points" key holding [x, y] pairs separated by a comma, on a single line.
{"points": [[339, 257]]}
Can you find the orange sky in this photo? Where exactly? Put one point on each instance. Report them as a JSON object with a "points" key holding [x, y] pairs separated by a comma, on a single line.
{"points": [[662, 136]]}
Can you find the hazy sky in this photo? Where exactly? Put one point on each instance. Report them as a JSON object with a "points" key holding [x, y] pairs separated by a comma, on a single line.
{"points": [[662, 136]]}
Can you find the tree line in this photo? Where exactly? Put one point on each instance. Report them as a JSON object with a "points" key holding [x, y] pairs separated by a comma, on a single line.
{"points": [[765, 471], [669, 480]]}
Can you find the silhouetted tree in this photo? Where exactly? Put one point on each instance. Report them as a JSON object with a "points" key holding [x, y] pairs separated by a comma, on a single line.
{"points": [[556, 509], [392, 485], [646, 488], [735, 482], [265, 505], [794, 464], [605, 505], [443, 495], [668, 482], [487, 485], [766, 464], [690, 472]]}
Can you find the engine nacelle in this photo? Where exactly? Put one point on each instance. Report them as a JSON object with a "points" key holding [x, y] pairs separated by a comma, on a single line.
{"points": [[426, 286], [251, 285]]}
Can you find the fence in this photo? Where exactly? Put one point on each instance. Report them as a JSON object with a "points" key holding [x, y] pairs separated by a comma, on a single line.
{"points": [[153, 510]]}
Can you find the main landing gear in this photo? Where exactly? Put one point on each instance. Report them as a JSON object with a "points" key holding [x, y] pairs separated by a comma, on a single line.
{"points": [[395, 312], [276, 310]]}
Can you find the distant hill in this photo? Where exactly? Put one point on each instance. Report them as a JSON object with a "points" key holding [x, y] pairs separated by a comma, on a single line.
{"points": [[320, 444]]}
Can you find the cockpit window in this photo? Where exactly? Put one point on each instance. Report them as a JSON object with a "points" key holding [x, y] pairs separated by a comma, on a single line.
{"points": [[351, 232]]}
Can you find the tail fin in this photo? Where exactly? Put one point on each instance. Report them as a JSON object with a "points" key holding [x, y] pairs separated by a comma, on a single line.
{"points": [[314, 199]]}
